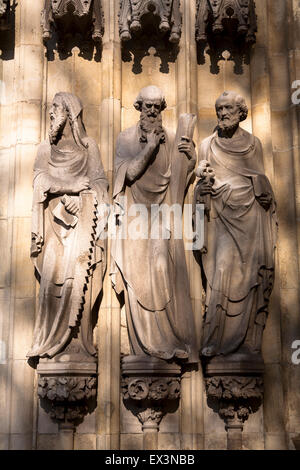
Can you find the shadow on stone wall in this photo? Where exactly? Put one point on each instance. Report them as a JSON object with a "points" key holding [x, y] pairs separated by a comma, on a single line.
{"points": [[136, 49], [7, 33], [88, 50], [221, 48]]}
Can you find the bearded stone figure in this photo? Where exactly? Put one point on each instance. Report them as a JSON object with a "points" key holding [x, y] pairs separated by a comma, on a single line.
{"points": [[152, 169], [238, 261], [69, 217]]}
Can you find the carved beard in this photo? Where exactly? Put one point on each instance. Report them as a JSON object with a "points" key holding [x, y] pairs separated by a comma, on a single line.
{"points": [[149, 124], [228, 125], [56, 128]]}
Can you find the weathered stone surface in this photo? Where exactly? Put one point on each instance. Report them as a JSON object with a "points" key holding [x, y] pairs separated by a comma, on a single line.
{"points": [[20, 442], [228, 347], [4, 182], [67, 397], [69, 217], [23, 325], [4, 441], [84, 442], [225, 332], [5, 227], [108, 89], [45, 424], [168, 441], [70, 18], [47, 442], [150, 388], [131, 441], [164, 17], [152, 333], [21, 390], [235, 17], [226, 26]]}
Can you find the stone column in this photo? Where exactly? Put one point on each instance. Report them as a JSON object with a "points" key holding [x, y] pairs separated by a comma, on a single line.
{"points": [[212, 82], [294, 67], [108, 412], [294, 63], [150, 389], [261, 122], [284, 178], [21, 101], [186, 102]]}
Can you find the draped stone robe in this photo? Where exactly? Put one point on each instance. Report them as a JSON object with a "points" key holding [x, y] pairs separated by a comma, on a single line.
{"points": [[239, 263], [152, 272], [65, 249]]}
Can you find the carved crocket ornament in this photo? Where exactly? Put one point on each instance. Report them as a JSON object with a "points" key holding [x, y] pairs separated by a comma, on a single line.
{"points": [[72, 17], [233, 17], [136, 14]]}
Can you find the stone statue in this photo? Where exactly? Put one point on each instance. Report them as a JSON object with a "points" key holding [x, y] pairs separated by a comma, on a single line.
{"points": [[151, 168], [238, 261], [69, 216], [133, 12]]}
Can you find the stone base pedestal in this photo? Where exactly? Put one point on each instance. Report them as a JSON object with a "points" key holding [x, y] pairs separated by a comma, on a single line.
{"points": [[67, 387], [151, 388], [234, 387]]}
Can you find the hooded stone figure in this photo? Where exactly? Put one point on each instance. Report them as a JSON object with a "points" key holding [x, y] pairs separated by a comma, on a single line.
{"points": [[238, 261], [68, 217], [152, 270]]}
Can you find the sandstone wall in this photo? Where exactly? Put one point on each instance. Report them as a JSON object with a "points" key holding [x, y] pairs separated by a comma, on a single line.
{"points": [[107, 88]]}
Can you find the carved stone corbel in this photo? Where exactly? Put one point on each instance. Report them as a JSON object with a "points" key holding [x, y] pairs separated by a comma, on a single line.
{"points": [[150, 388], [163, 16], [67, 386], [234, 390], [71, 19]]}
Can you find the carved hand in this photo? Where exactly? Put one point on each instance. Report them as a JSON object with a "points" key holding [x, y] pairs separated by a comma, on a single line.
{"points": [[71, 205], [187, 146], [207, 177], [204, 187], [265, 200], [153, 140]]}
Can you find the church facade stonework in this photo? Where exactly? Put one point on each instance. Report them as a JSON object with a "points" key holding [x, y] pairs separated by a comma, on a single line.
{"points": [[149, 212]]}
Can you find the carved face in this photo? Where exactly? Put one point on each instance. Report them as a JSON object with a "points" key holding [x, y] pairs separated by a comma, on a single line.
{"points": [[151, 118], [151, 108], [228, 112], [58, 118], [151, 103]]}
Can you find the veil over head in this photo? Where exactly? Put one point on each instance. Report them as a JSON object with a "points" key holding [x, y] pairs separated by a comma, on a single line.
{"points": [[74, 107]]}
